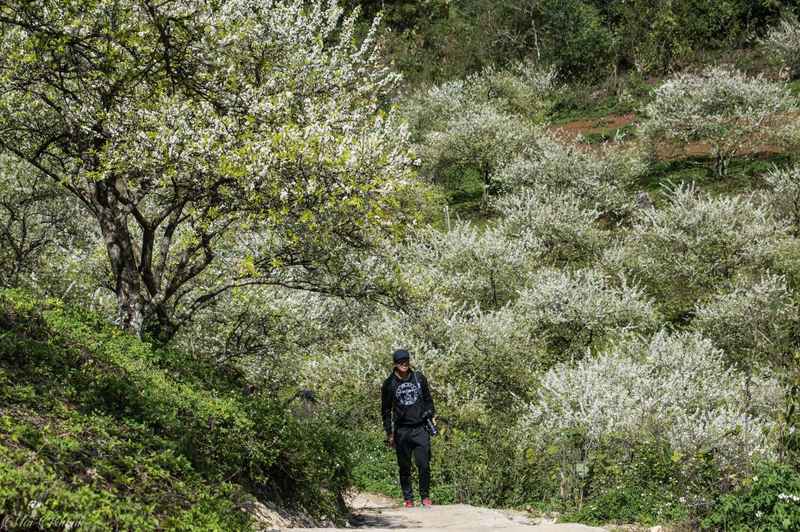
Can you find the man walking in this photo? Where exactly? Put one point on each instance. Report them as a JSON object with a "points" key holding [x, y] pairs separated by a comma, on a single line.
{"points": [[406, 408]]}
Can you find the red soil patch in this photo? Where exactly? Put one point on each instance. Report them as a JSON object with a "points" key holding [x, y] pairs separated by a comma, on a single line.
{"points": [[665, 150], [572, 129], [668, 151]]}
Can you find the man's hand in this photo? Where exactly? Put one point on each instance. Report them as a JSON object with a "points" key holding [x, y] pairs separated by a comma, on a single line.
{"points": [[390, 440]]}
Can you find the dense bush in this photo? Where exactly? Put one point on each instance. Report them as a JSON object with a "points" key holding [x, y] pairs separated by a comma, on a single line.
{"points": [[525, 89], [754, 324], [695, 244], [770, 500], [647, 433], [632, 481], [471, 265], [571, 313], [599, 179], [676, 389], [784, 184], [558, 227], [783, 40], [477, 137]]}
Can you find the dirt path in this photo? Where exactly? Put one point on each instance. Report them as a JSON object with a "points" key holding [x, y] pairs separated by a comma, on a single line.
{"points": [[382, 514]]}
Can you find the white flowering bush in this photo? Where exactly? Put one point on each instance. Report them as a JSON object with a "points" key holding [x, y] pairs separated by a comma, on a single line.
{"points": [[783, 40], [784, 184], [599, 179], [572, 312], [753, 323], [497, 357], [430, 108], [480, 138], [723, 107], [478, 123], [525, 89], [675, 388], [564, 229], [471, 265], [693, 244]]}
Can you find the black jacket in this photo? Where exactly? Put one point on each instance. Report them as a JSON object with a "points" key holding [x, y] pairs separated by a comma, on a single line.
{"points": [[406, 402]]}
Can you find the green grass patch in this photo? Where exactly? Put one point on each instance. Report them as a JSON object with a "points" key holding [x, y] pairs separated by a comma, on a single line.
{"points": [[578, 101], [463, 192], [93, 428], [375, 465], [744, 174], [609, 134], [375, 469]]}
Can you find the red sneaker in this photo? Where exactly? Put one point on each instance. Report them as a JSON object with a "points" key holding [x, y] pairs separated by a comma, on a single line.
{"points": [[409, 504], [426, 502]]}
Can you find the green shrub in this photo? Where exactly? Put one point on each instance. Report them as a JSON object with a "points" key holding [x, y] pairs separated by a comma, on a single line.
{"points": [[768, 501], [629, 481]]}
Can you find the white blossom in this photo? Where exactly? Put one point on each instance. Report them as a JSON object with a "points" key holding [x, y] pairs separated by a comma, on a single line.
{"points": [[597, 179], [753, 322], [564, 229], [784, 194], [721, 106], [472, 265], [676, 388], [570, 312], [783, 40], [693, 243]]}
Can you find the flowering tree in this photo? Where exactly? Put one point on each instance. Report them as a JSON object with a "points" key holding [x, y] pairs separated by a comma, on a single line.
{"points": [[572, 312], [480, 138], [556, 225], [598, 180], [783, 40], [720, 106], [785, 194], [753, 324], [470, 265], [693, 245], [479, 123], [676, 388], [183, 125], [523, 89]]}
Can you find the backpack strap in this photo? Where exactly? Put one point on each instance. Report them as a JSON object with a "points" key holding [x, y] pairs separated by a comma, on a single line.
{"points": [[416, 381]]}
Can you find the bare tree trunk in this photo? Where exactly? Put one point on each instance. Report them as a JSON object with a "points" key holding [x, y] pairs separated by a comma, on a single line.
{"points": [[721, 164], [113, 222]]}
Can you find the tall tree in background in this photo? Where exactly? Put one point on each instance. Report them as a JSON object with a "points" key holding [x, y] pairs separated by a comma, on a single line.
{"points": [[215, 144]]}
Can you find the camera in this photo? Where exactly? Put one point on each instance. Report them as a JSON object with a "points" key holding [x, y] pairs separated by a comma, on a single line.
{"points": [[430, 426]]}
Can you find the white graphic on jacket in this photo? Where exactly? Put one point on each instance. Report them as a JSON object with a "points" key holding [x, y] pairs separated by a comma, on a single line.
{"points": [[407, 393]]}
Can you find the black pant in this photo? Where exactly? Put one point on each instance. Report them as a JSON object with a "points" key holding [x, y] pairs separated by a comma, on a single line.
{"points": [[416, 441]]}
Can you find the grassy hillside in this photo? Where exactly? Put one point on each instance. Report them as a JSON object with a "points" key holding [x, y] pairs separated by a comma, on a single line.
{"points": [[97, 428]]}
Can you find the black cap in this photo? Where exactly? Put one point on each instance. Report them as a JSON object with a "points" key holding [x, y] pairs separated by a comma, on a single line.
{"points": [[400, 354]]}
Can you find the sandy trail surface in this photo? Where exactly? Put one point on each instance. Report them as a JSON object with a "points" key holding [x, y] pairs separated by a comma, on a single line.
{"points": [[383, 514]]}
